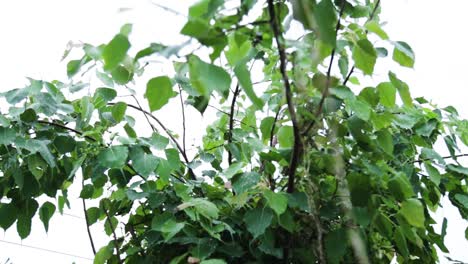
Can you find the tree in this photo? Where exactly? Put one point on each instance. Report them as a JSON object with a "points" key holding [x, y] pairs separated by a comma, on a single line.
{"points": [[305, 166]]}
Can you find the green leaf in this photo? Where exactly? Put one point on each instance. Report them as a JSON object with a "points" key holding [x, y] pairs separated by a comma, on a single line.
{"points": [[434, 174], [335, 245], [238, 52], [401, 243], [266, 126], [107, 94], [383, 225], [287, 221], [202, 206], [387, 94], [41, 146], [7, 135], [286, 136], [207, 78], [276, 201], [110, 225], [402, 88], [462, 199], [400, 187], [170, 228], [46, 212], [118, 111], [126, 29], [36, 165], [158, 92], [326, 19], [374, 27], [103, 255], [213, 261], [245, 181], [360, 107], [232, 170], [64, 144], [8, 214], [113, 157], [23, 226], [115, 51], [87, 109], [412, 210], [243, 75], [403, 54], [457, 169], [258, 220], [93, 215], [158, 141], [28, 116], [173, 158], [144, 163], [121, 75], [73, 67], [364, 56], [87, 191], [385, 140]]}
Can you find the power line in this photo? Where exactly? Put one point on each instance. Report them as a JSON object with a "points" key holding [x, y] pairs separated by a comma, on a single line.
{"points": [[45, 249]]}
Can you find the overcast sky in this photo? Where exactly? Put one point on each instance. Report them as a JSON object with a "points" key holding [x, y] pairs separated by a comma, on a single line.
{"points": [[35, 34]]}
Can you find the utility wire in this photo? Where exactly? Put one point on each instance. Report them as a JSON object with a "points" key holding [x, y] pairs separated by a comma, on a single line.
{"points": [[44, 249]]}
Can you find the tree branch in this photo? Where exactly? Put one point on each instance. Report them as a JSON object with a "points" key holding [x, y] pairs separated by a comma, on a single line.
{"points": [[91, 241], [67, 128], [116, 243], [231, 121], [297, 148]]}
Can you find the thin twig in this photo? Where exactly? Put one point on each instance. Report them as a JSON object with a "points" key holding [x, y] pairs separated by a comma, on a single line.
{"points": [[184, 155], [183, 118], [91, 241], [297, 148], [327, 84], [444, 157], [255, 23], [168, 9], [146, 116], [370, 18], [226, 113], [116, 243], [231, 121]]}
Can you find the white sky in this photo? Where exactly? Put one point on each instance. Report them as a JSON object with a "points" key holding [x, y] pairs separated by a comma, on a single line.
{"points": [[35, 34]]}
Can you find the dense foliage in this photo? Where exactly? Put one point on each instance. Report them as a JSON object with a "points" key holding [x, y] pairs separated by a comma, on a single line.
{"points": [[305, 166]]}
